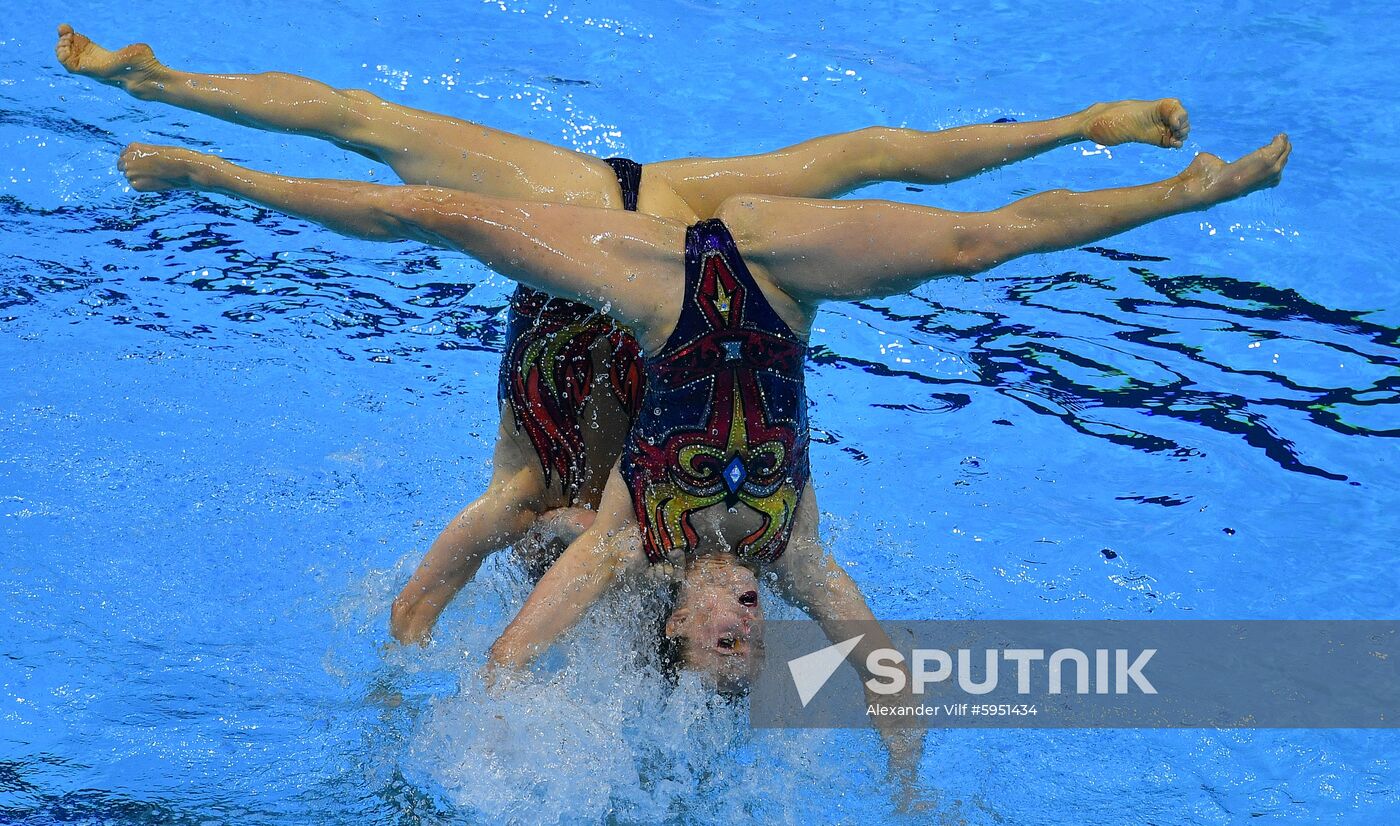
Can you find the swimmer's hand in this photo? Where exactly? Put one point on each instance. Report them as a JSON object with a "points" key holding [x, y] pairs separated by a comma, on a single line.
{"points": [[905, 746], [906, 749], [491, 677], [499, 678]]}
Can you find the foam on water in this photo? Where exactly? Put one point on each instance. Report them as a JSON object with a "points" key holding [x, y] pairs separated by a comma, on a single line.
{"points": [[595, 732]]}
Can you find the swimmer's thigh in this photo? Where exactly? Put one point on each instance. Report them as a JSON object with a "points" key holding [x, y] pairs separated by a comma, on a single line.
{"points": [[437, 150]]}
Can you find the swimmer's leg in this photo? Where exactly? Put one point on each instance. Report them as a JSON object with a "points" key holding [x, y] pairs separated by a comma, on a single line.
{"points": [[810, 251], [627, 264], [847, 250], [421, 147], [499, 517], [834, 164]]}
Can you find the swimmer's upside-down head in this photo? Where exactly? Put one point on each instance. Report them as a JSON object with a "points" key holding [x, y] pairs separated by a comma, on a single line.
{"points": [[716, 626]]}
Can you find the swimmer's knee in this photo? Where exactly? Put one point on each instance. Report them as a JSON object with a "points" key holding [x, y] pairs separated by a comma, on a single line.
{"points": [[360, 127], [738, 211], [871, 142], [876, 156], [362, 95]]}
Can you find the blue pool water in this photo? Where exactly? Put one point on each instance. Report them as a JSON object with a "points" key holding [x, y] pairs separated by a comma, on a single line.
{"points": [[226, 436]]}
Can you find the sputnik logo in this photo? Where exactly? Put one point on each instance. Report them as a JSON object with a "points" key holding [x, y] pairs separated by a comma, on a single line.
{"points": [[811, 671]]}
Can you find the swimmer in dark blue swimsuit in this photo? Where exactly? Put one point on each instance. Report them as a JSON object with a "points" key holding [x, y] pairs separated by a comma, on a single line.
{"points": [[720, 308], [654, 275], [569, 380]]}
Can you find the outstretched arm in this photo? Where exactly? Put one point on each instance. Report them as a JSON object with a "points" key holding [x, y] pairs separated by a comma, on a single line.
{"points": [[810, 577], [623, 263], [571, 586], [501, 516], [592, 563], [840, 250]]}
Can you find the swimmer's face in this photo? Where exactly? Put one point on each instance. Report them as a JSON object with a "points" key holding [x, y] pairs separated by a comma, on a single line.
{"points": [[719, 615]]}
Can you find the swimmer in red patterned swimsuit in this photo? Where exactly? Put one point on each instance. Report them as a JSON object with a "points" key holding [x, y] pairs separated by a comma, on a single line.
{"points": [[568, 384]]}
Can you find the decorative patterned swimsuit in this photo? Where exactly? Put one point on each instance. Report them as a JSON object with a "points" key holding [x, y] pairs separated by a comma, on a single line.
{"points": [[724, 417], [547, 371]]}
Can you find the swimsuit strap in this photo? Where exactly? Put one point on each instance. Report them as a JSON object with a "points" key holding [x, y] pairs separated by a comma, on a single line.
{"points": [[629, 180]]}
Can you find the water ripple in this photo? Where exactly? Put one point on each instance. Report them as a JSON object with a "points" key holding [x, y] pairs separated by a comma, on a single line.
{"points": [[1204, 350]]}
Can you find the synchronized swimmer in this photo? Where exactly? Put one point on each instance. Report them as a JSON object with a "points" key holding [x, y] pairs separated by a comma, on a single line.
{"points": [[677, 422]]}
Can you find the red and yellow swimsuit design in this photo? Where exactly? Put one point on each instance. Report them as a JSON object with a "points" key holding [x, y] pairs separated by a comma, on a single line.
{"points": [[724, 418], [547, 375], [547, 371]]}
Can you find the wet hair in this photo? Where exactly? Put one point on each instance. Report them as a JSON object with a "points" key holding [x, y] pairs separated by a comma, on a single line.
{"points": [[733, 692], [670, 651]]}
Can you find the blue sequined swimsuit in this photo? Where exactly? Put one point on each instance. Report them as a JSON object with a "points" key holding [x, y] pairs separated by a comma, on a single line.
{"points": [[724, 416]]}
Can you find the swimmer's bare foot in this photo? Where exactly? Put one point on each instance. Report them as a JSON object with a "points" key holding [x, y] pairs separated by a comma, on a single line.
{"points": [[1158, 122], [129, 67], [151, 168], [1211, 181]]}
